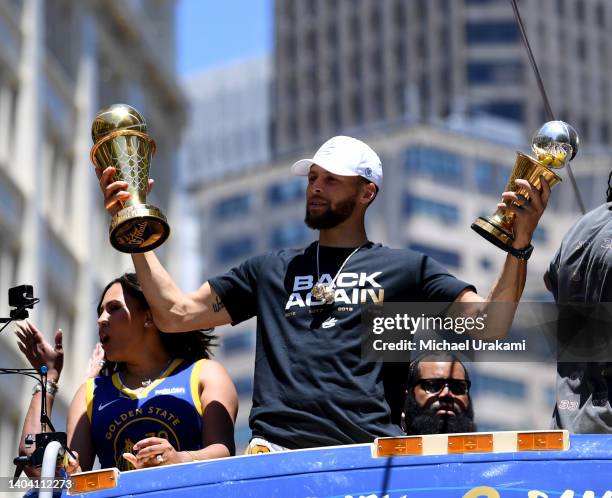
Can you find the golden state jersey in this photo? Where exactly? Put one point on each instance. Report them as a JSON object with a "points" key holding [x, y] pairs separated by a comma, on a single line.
{"points": [[169, 408]]}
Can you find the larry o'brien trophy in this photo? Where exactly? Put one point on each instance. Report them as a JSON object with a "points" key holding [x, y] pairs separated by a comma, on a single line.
{"points": [[120, 139], [555, 145]]}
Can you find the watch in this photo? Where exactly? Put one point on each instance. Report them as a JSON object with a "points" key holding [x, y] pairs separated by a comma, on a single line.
{"points": [[523, 254]]}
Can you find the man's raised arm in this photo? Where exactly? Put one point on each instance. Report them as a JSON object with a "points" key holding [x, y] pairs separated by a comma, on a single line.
{"points": [[510, 283], [173, 310]]}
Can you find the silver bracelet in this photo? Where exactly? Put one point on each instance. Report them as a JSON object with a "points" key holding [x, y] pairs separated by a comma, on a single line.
{"points": [[51, 387]]}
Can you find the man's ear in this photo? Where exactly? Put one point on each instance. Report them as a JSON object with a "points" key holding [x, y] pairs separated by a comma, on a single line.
{"points": [[368, 193]]}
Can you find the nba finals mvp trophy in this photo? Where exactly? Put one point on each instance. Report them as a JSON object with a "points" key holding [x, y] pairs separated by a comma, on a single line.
{"points": [[120, 139], [554, 145]]}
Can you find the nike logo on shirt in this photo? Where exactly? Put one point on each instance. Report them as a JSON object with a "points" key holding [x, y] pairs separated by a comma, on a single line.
{"points": [[101, 406], [330, 322]]}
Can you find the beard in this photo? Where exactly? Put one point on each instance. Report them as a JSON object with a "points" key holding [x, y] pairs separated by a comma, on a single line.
{"points": [[332, 216], [417, 420]]}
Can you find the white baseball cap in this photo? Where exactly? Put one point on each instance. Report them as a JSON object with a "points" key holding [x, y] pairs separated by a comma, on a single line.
{"points": [[344, 156]]}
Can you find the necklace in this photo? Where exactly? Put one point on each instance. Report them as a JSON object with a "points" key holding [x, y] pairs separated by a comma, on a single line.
{"points": [[147, 381], [327, 293]]}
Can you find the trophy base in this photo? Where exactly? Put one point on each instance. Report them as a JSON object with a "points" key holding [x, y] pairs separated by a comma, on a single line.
{"points": [[493, 233], [138, 228]]}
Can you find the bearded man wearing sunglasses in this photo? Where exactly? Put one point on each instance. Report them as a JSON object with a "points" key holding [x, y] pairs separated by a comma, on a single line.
{"points": [[437, 397]]}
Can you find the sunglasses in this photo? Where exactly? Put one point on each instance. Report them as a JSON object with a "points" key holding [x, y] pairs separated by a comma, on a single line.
{"points": [[434, 386]]}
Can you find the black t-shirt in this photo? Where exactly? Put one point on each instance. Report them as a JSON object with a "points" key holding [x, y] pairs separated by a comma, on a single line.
{"points": [[311, 386], [581, 273]]}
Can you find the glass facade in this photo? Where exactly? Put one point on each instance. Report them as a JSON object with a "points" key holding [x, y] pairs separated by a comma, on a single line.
{"points": [[446, 213], [432, 163], [286, 192], [238, 343], [495, 72], [292, 234], [232, 207], [442, 256], [240, 247], [506, 387], [486, 32], [491, 178], [244, 386], [507, 110]]}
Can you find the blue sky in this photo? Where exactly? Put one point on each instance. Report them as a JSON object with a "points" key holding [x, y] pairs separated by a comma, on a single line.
{"points": [[211, 33]]}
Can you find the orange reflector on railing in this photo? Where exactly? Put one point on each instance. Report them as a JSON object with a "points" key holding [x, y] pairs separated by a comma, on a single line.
{"points": [[470, 443], [86, 482], [494, 442], [409, 445], [540, 441]]}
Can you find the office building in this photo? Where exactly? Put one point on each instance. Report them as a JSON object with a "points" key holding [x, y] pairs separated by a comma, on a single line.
{"points": [[60, 62], [352, 66]]}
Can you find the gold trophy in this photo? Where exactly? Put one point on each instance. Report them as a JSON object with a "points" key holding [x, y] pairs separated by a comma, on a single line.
{"points": [[120, 139], [555, 145]]}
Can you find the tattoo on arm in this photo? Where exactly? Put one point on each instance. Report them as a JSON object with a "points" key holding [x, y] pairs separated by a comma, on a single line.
{"points": [[218, 305]]}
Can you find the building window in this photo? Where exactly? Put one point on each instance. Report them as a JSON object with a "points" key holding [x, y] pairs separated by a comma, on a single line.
{"points": [[289, 235], [495, 72], [62, 13], [579, 10], [332, 35], [600, 15], [400, 57], [484, 173], [428, 162], [311, 41], [550, 396], [286, 192], [485, 263], [582, 48], [232, 249], [378, 103], [491, 178], [503, 177], [446, 213], [491, 32], [605, 133], [486, 426], [238, 343], [508, 110], [355, 64], [399, 15], [232, 207], [497, 385], [334, 115], [357, 107], [355, 27], [376, 61], [244, 386], [540, 234], [310, 8], [561, 7], [443, 256]]}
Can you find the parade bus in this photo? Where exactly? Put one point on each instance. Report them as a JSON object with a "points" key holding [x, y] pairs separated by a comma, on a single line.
{"points": [[531, 464]]}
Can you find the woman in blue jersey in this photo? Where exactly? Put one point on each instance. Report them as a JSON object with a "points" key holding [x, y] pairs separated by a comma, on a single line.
{"points": [[158, 399]]}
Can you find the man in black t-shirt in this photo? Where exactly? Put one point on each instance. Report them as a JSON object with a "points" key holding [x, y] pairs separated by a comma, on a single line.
{"points": [[580, 278], [311, 386]]}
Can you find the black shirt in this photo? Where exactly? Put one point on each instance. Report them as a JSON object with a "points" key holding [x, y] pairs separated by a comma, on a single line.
{"points": [[581, 273], [311, 386]]}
